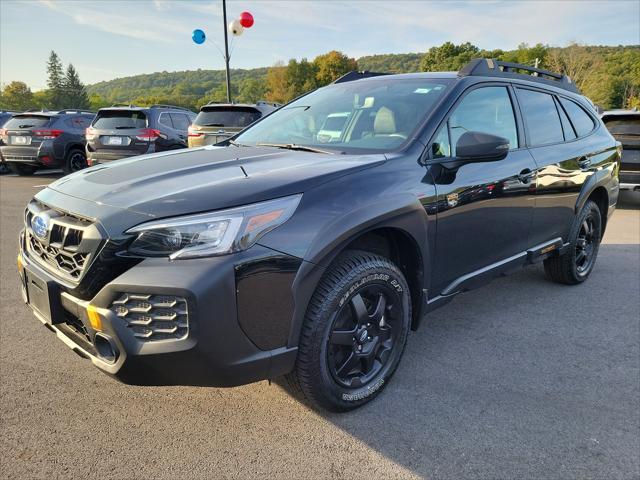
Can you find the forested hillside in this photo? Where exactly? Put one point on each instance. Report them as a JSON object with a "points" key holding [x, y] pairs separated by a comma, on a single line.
{"points": [[610, 76]]}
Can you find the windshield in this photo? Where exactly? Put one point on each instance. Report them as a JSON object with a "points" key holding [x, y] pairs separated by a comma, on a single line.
{"points": [[361, 116], [120, 119], [238, 117]]}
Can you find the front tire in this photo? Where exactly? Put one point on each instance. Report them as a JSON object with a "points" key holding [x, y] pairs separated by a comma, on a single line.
{"points": [[577, 263], [354, 332]]}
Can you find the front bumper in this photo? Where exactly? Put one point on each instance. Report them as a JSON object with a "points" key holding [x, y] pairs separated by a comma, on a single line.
{"points": [[217, 350]]}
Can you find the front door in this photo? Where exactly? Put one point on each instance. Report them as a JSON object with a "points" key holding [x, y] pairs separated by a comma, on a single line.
{"points": [[484, 209]]}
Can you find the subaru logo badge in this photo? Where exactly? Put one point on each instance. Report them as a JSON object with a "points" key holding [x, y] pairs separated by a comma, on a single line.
{"points": [[40, 225]]}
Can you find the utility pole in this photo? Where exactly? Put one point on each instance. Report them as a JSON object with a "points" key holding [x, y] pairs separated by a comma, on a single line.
{"points": [[226, 49]]}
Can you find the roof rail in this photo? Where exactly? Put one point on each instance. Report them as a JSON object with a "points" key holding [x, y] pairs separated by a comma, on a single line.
{"points": [[75, 110], [162, 105], [489, 67], [355, 75]]}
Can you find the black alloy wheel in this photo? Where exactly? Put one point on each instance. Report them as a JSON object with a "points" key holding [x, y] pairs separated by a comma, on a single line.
{"points": [[585, 245], [76, 160], [363, 335]]}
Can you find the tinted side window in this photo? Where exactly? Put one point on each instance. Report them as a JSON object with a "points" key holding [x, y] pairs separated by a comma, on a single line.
{"points": [[165, 119], [180, 121], [569, 133], [487, 110], [581, 120], [541, 117]]}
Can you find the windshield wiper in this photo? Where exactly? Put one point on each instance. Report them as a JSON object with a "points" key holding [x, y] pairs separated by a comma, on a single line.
{"points": [[236, 144], [293, 146], [123, 127], [214, 125]]}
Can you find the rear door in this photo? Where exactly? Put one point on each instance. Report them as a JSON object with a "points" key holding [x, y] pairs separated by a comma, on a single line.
{"points": [[485, 208], [120, 131], [563, 153]]}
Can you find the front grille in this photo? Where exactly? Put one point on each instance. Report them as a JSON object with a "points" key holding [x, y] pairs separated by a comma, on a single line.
{"points": [[153, 317], [67, 244]]}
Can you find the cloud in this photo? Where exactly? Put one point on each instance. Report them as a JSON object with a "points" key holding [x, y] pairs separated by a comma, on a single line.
{"points": [[126, 21]]}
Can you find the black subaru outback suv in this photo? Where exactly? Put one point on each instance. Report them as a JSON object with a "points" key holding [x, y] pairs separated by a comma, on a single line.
{"points": [[280, 254], [126, 131], [46, 139]]}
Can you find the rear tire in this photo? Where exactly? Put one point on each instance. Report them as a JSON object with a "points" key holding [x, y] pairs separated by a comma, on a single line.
{"points": [[75, 160], [354, 332], [577, 263], [22, 170]]}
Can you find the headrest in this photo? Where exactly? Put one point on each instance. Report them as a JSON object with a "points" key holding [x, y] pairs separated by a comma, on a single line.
{"points": [[385, 122]]}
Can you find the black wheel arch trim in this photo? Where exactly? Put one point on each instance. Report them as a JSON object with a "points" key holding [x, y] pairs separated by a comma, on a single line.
{"points": [[402, 212]]}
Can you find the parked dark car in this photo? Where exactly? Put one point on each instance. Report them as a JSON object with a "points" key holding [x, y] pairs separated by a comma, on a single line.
{"points": [[33, 140], [126, 131], [281, 254], [4, 116], [218, 121], [624, 125]]}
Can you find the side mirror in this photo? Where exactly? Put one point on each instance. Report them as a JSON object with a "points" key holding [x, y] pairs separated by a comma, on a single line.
{"points": [[481, 147]]}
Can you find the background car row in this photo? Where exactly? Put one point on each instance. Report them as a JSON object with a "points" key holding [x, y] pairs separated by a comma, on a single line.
{"points": [[73, 139]]}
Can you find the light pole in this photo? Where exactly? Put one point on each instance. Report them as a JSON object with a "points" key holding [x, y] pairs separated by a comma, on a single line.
{"points": [[226, 49]]}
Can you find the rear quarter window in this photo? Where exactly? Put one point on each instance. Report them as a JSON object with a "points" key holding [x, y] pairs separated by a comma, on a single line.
{"points": [[120, 119], [581, 120]]}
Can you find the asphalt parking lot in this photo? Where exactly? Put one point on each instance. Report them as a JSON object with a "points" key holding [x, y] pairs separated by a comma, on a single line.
{"points": [[520, 379]]}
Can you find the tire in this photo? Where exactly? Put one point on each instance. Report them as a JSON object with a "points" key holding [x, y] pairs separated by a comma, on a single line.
{"points": [[354, 332], [22, 170], [75, 160], [575, 266]]}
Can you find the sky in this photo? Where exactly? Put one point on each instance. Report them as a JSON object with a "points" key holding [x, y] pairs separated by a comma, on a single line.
{"points": [[107, 39]]}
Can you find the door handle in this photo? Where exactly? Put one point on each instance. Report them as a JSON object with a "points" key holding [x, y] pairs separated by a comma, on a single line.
{"points": [[584, 162], [526, 175]]}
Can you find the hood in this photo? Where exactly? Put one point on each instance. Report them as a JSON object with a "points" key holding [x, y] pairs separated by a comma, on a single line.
{"points": [[208, 178]]}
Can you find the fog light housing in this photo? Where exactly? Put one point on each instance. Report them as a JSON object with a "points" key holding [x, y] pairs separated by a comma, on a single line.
{"points": [[152, 317]]}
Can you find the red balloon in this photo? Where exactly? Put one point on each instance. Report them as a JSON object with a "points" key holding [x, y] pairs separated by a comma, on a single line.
{"points": [[246, 19]]}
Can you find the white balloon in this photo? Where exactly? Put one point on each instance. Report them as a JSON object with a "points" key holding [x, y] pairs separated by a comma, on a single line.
{"points": [[235, 28]]}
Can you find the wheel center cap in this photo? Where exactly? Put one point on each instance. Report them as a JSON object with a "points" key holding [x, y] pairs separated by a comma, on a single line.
{"points": [[362, 335]]}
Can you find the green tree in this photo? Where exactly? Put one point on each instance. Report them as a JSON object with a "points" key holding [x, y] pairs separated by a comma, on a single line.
{"points": [[55, 81], [301, 77], [332, 66], [277, 86], [448, 57], [16, 96], [251, 90], [75, 94]]}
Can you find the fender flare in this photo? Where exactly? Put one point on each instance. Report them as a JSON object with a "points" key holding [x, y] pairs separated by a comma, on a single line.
{"points": [[402, 212]]}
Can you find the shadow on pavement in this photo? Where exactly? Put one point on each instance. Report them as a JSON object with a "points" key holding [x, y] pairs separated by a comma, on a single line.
{"points": [[524, 376]]}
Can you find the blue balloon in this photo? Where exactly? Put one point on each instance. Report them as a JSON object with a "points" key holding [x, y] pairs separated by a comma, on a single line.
{"points": [[198, 36]]}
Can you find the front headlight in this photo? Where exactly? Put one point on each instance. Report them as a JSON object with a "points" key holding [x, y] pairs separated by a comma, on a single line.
{"points": [[215, 233]]}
